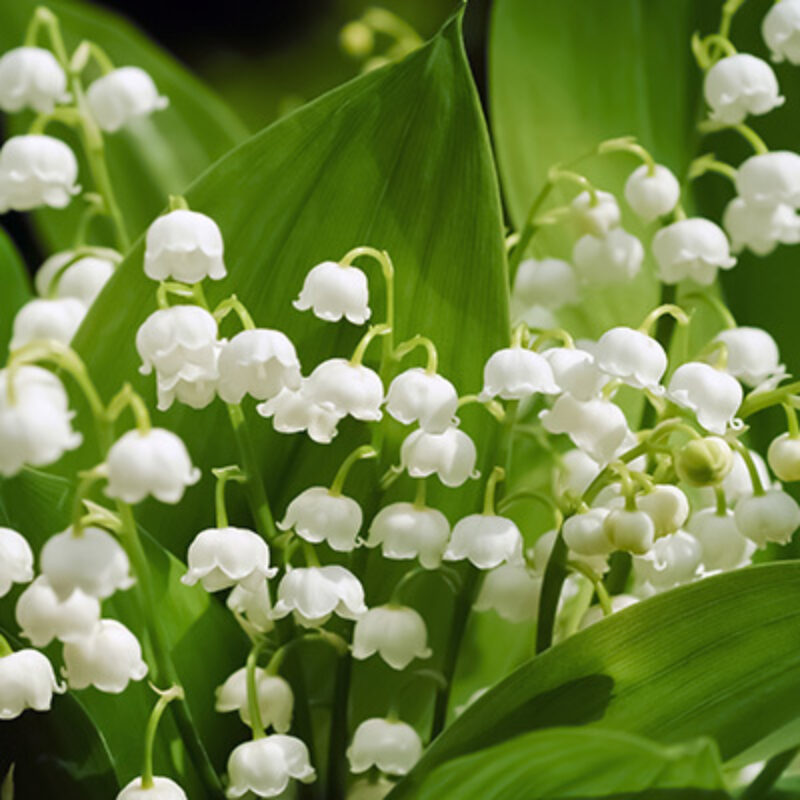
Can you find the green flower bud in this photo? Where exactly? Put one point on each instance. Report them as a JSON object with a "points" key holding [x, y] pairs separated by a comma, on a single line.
{"points": [[357, 39], [704, 462]]}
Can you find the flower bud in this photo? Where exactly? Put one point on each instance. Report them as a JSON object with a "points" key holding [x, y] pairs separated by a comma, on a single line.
{"points": [[161, 789], [674, 559], [723, 546], [265, 766], [739, 85], [586, 534], [575, 371], [82, 280], [275, 698], [596, 214], [122, 95], [93, 561], [630, 530], [31, 77], [652, 195], [404, 530], [16, 560], [396, 633], [713, 395], [314, 593], [549, 282], [781, 31], [27, 680], [632, 356], [390, 745], [43, 616], [317, 515], [486, 540], [784, 457], [223, 557], [515, 373], [704, 462], [770, 517], [418, 396], [512, 591], [614, 258], [154, 463], [108, 659], [333, 291], [346, 389], [760, 228], [691, 248], [357, 39], [184, 246], [450, 456], [43, 320], [36, 170], [666, 505], [770, 179]]}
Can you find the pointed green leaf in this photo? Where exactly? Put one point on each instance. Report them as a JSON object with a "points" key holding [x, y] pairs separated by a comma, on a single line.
{"points": [[16, 289]]}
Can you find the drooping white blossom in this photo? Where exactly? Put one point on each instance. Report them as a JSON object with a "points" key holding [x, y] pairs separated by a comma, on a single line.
{"points": [[320, 515], [585, 533], [770, 179], [42, 320], [184, 246], [27, 680], [31, 77], [760, 228], [314, 593], [781, 31], [770, 517], [419, 396], [512, 591], [738, 85], [253, 605], [576, 471], [751, 355], [154, 463], [346, 389], [293, 411], [692, 248], [783, 457], [724, 547], [161, 789], [265, 766], [576, 371], [108, 659], [406, 530], [674, 559], [450, 456], [547, 282], [122, 95], [16, 560], [630, 530], [614, 258], [652, 194], [632, 356], [396, 633], [515, 373], [67, 274], [390, 745], [713, 395], [333, 291], [486, 540], [666, 505], [596, 214], [275, 698]]}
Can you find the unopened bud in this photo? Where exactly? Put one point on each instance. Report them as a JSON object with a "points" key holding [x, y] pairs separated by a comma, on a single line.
{"points": [[704, 462]]}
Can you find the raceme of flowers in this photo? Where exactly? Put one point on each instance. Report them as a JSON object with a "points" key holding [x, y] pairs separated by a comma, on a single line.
{"points": [[682, 495]]}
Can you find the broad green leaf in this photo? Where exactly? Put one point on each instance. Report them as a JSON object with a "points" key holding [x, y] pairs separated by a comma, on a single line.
{"points": [[581, 763], [717, 659], [16, 288], [151, 157]]}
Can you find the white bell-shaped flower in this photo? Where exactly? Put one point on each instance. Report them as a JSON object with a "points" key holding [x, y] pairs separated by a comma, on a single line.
{"points": [[595, 614], [154, 463], [223, 557], [16, 560], [388, 744], [450, 456], [739, 85], [93, 562], [652, 195], [548, 282], [265, 766], [515, 373], [576, 471], [770, 179], [293, 411], [674, 559], [31, 77], [396, 633], [751, 355], [108, 659], [41, 320], [36, 423], [43, 616], [333, 291], [346, 389], [258, 362], [630, 530], [253, 605], [180, 343], [36, 170], [783, 457], [614, 258], [314, 593], [713, 395], [27, 680], [760, 228], [770, 517], [184, 246], [66, 275], [596, 426], [667, 506], [586, 535], [161, 789], [692, 248], [723, 545], [275, 698], [598, 214], [486, 540], [320, 515], [417, 395], [576, 371], [781, 31], [122, 95], [632, 356], [406, 530], [512, 591]]}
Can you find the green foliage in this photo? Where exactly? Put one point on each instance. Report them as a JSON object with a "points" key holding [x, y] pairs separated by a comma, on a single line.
{"points": [[16, 288]]}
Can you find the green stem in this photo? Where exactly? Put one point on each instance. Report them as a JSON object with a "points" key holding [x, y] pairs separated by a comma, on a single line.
{"points": [[668, 309], [628, 144], [755, 141], [602, 593], [498, 474], [722, 501], [128, 398], [532, 494], [365, 451], [165, 698], [223, 475], [419, 341], [791, 421], [554, 576], [752, 470], [361, 349], [759, 789], [5, 647], [233, 303], [665, 327], [256, 723], [761, 400]]}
